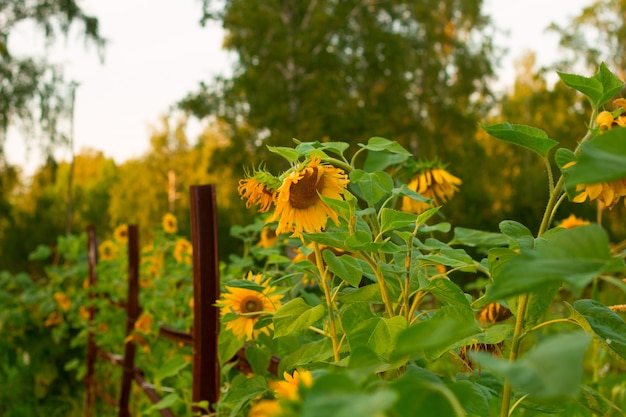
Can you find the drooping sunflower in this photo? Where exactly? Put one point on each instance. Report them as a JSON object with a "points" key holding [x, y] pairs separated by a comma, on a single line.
{"points": [[170, 224], [120, 234], [434, 183], [62, 300], [106, 250], [183, 251], [268, 238], [248, 305], [259, 188], [299, 207], [572, 221]]}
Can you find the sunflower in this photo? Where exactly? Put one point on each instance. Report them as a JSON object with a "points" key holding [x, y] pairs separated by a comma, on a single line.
{"points": [[572, 221], [434, 183], [265, 408], [144, 323], [256, 192], [268, 238], [170, 224], [183, 251], [62, 300], [608, 193], [299, 207], [53, 319], [248, 306], [106, 250], [288, 389], [120, 233], [84, 312]]}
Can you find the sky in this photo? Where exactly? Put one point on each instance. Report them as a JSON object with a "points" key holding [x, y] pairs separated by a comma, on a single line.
{"points": [[157, 53]]}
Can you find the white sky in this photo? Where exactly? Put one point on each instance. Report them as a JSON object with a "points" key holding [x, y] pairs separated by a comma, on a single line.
{"points": [[158, 52]]}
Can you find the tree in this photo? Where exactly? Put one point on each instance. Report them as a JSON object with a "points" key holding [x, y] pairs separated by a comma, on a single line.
{"points": [[414, 71], [33, 90]]}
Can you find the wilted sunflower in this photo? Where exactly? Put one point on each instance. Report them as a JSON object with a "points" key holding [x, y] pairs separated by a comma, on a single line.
{"points": [[106, 250], [62, 300], [572, 221], [434, 183], [248, 305], [259, 189], [170, 224], [121, 233], [299, 207], [183, 251]]}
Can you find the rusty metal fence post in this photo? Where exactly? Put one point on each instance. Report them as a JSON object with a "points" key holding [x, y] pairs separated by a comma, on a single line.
{"points": [[205, 367], [132, 312], [90, 388]]}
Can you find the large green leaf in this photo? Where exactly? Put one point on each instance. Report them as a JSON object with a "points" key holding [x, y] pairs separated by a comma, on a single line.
{"points": [[595, 402], [607, 328], [394, 219], [447, 291], [438, 333], [296, 315], [527, 136], [378, 144], [574, 256], [242, 391], [553, 369], [373, 185], [519, 233], [599, 88], [478, 238], [378, 333], [602, 159], [345, 267]]}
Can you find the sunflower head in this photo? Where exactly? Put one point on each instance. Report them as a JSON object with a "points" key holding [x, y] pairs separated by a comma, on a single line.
{"points": [[170, 224], [607, 193], [434, 182], [183, 251], [106, 250], [243, 306], [62, 300], [299, 207], [572, 221], [120, 234], [268, 238], [259, 188], [265, 408], [53, 319], [288, 389], [144, 323]]}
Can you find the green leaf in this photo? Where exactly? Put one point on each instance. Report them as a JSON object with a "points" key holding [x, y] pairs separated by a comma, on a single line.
{"points": [[258, 358], [527, 136], [290, 154], [447, 292], [242, 391], [478, 238], [345, 267], [171, 367], [338, 148], [595, 402], [575, 256], [518, 233], [600, 88], [317, 351], [436, 334], [41, 253], [378, 334], [602, 159], [369, 293], [165, 402], [373, 185], [344, 209], [394, 219], [474, 397], [605, 326], [228, 345], [296, 315], [379, 161], [378, 144], [553, 369]]}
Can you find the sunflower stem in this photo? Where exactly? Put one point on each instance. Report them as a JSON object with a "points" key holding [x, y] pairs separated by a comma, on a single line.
{"points": [[381, 282], [329, 302]]}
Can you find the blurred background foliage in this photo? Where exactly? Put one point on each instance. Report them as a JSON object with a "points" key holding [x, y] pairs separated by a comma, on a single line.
{"points": [[421, 73]]}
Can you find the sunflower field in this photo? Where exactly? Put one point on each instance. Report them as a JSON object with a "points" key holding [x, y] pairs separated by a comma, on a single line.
{"points": [[354, 295]]}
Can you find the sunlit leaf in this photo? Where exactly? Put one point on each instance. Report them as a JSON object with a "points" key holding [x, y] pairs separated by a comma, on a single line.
{"points": [[296, 315], [373, 185], [394, 219], [345, 267], [290, 154], [378, 144], [478, 238], [527, 136]]}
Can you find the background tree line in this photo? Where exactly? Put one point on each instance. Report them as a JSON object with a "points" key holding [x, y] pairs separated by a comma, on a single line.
{"points": [[418, 72]]}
